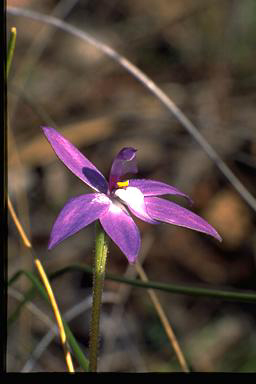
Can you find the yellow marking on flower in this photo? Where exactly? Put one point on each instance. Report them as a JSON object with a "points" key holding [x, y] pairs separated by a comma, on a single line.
{"points": [[121, 184]]}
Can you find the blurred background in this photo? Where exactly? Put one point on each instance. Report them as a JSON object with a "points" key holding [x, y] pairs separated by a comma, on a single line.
{"points": [[202, 54]]}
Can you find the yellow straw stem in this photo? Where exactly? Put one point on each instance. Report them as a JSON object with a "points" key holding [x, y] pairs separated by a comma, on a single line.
{"points": [[18, 225], [48, 288], [56, 313]]}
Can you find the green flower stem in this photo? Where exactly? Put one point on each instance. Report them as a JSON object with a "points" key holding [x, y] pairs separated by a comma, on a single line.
{"points": [[98, 282]]}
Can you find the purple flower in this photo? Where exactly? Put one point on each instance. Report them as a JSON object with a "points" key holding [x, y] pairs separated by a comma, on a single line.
{"points": [[111, 199]]}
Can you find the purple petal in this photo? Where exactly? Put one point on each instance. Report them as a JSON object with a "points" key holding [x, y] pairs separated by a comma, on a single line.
{"points": [[76, 214], [124, 163], [172, 213], [156, 188], [75, 160], [123, 231], [134, 198]]}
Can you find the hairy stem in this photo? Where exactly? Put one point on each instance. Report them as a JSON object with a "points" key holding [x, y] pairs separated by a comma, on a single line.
{"points": [[101, 251]]}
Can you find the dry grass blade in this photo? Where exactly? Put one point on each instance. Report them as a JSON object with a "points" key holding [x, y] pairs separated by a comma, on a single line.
{"points": [[61, 10], [152, 87], [164, 320]]}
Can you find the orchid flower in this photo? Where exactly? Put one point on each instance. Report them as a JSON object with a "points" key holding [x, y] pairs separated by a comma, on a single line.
{"points": [[111, 201]]}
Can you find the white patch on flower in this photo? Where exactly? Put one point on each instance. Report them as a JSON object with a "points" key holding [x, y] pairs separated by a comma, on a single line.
{"points": [[130, 195], [101, 198], [134, 198], [116, 207]]}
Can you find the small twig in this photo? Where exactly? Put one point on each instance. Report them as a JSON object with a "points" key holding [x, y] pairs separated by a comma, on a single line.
{"points": [[72, 313], [31, 307], [152, 87], [164, 320]]}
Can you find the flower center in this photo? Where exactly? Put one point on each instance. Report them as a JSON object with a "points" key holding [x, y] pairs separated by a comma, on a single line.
{"points": [[122, 184]]}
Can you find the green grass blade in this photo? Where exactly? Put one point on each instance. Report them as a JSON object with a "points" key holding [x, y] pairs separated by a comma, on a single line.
{"points": [[83, 361], [10, 52], [241, 296]]}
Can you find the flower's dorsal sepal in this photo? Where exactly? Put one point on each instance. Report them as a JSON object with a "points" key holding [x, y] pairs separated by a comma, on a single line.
{"points": [[123, 164]]}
